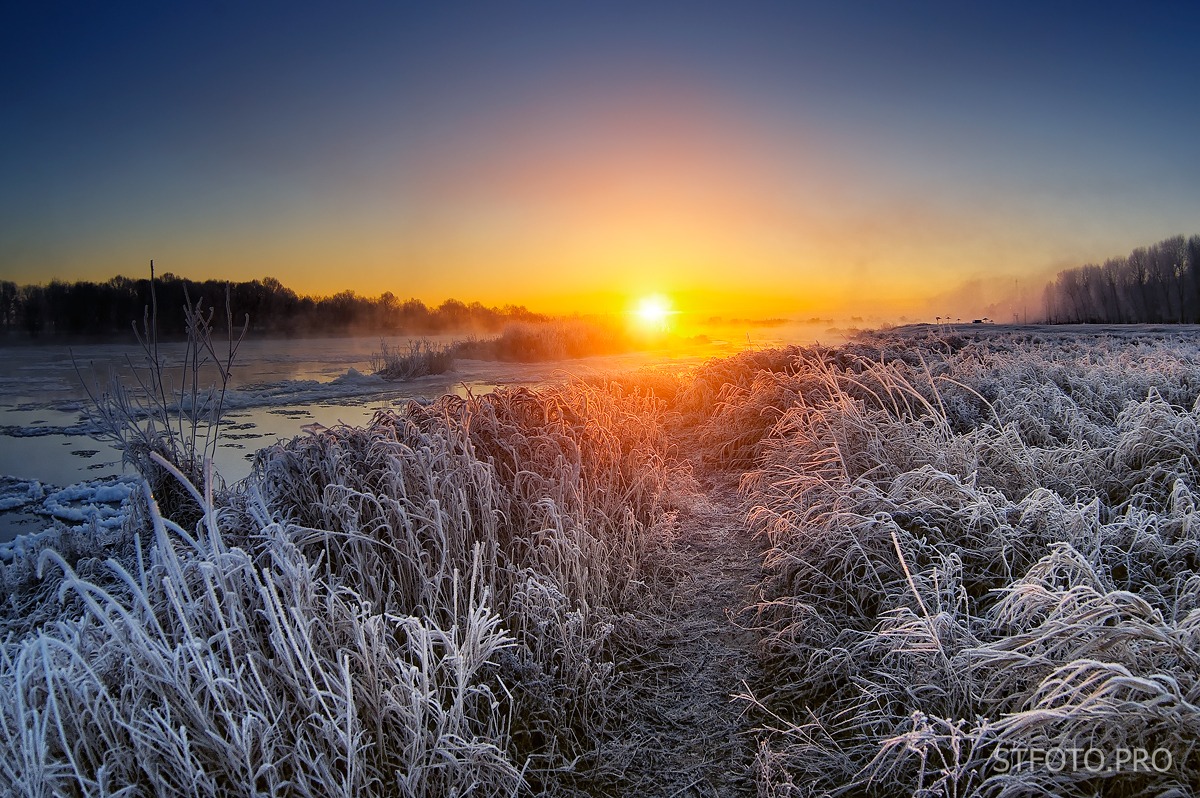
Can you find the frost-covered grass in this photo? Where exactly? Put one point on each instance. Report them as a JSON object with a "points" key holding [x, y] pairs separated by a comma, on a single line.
{"points": [[525, 342], [418, 359], [979, 549], [169, 413], [976, 546], [437, 604], [558, 340]]}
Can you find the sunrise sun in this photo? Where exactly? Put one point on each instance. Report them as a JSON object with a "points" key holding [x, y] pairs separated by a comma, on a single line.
{"points": [[653, 312]]}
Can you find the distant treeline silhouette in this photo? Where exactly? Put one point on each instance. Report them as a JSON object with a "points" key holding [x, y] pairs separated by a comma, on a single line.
{"points": [[92, 309], [1155, 284]]}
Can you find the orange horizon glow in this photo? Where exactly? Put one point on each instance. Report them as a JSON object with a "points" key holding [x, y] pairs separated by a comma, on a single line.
{"points": [[584, 205]]}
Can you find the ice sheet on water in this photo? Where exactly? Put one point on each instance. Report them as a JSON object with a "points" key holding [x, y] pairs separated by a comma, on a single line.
{"points": [[81, 427], [100, 504], [16, 493], [351, 385]]}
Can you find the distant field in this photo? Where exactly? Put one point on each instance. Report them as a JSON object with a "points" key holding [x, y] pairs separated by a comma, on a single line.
{"points": [[939, 561]]}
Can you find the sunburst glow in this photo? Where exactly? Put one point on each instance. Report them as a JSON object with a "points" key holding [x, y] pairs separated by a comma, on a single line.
{"points": [[654, 312]]}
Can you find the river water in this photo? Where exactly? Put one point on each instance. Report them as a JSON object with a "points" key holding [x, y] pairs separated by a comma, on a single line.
{"points": [[278, 387]]}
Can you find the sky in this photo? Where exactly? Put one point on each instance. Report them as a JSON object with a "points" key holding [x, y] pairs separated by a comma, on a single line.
{"points": [[772, 159]]}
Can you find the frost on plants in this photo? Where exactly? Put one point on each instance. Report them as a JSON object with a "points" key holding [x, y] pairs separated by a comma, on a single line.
{"points": [[434, 605], [172, 411], [969, 566], [980, 551]]}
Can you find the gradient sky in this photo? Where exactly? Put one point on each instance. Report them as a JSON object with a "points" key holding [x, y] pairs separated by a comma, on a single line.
{"points": [[775, 159]]}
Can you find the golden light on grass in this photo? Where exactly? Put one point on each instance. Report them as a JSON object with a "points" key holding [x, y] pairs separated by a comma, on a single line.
{"points": [[653, 312]]}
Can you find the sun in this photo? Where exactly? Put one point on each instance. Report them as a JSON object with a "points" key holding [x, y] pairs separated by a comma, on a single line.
{"points": [[653, 312]]}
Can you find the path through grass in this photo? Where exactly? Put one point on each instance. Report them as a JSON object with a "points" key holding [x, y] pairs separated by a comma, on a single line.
{"points": [[697, 738], [715, 648]]}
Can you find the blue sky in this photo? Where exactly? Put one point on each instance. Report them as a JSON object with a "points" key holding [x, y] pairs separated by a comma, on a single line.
{"points": [[785, 156]]}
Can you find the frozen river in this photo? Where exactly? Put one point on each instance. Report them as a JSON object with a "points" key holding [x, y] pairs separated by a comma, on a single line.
{"points": [[278, 387]]}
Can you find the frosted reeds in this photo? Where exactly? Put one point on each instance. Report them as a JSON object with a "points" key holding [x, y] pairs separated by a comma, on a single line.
{"points": [[978, 547], [453, 600]]}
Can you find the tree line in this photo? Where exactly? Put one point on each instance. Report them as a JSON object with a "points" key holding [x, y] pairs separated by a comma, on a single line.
{"points": [[1155, 284], [98, 309]]}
